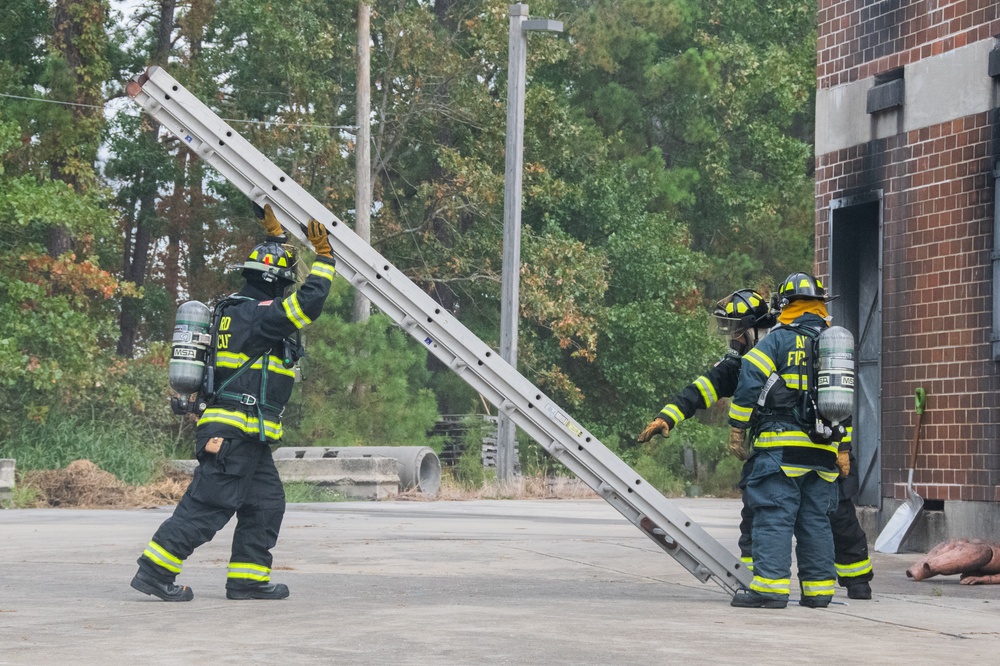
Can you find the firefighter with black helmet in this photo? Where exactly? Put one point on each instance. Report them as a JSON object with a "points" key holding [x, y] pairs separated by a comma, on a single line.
{"points": [[744, 317], [255, 344], [791, 487]]}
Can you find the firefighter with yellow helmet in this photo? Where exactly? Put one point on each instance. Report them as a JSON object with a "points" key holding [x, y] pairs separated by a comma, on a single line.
{"points": [[254, 347]]}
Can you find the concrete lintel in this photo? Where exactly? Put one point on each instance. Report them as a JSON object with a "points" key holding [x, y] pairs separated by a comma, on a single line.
{"points": [[937, 89]]}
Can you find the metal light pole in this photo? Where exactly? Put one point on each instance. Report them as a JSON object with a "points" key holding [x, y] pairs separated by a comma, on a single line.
{"points": [[516, 64]]}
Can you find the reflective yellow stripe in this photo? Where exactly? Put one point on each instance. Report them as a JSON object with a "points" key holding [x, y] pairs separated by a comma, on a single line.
{"points": [[741, 414], [708, 393], [770, 585], [747, 562], [249, 571], [847, 437], [817, 588], [248, 424], [274, 364], [673, 412], [854, 569], [294, 311], [796, 382], [323, 270], [161, 557], [792, 438], [761, 360]]}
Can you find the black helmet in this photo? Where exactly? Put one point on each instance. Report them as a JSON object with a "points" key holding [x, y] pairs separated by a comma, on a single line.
{"points": [[800, 285], [741, 311], [270, 264]]}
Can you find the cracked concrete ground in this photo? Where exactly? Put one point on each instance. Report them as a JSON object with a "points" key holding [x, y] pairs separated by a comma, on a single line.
{"points": [[479, 582]]}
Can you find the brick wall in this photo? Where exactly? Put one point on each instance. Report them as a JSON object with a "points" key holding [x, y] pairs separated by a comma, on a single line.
{"points": [[860, 38], [937, 242]]}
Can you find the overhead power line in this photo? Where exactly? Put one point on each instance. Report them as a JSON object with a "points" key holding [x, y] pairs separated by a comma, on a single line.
{"points": [[228, 120]]}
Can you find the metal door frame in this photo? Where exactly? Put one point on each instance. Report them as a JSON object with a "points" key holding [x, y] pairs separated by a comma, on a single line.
{"points": [[870, 474]]}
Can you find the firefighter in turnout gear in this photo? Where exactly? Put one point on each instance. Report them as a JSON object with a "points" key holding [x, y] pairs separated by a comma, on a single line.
{"points": [[745, 318], [256, 346], [790, 489], [854, 567]]}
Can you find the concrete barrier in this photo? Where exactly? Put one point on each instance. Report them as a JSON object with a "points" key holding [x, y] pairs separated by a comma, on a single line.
{"points": [[370, 478], [419, 467], [6, 479], [367, 478]]}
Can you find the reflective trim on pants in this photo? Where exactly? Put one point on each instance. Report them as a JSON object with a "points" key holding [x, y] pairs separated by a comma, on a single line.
{"points": [[249, 571], [159, 556]]}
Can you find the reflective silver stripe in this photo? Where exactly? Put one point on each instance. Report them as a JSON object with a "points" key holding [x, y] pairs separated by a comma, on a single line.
{"points": [[231, 360], [673, 412], [855, 569], [159, 556], [323, 270], [708, 393], [249, 571], [770, 585], [249, 425], [817, 588], [741, 414], [761, 360], [294, 311]]}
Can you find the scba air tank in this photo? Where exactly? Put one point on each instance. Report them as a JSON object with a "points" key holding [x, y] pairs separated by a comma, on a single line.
{"points": [[835, 380], [190, 347]]}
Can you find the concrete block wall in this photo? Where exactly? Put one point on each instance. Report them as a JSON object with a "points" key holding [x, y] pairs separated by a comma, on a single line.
{"points": [[931, 160]]}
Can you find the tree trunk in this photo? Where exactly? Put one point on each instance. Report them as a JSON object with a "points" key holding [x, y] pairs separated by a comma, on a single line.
{"points": [[137, 257]]}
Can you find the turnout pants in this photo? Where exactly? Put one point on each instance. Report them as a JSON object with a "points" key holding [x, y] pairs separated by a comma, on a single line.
{"points": [[850, 544], [240, 479], [786, 506]]}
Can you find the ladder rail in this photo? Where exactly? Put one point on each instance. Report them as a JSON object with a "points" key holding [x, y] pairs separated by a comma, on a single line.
{"points": [[208, 136]]}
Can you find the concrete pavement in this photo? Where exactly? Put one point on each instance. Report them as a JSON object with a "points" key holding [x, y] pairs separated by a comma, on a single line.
{"points": [[479, 582]]}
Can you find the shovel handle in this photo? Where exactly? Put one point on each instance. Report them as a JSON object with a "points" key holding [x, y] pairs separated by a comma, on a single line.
{"points": [[921, 399]]}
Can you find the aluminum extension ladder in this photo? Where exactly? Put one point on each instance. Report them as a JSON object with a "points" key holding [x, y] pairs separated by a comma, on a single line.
{"points": [[393, 293]]}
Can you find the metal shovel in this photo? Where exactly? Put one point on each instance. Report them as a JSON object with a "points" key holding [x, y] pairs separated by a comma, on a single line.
{"points": [[899, 525]]}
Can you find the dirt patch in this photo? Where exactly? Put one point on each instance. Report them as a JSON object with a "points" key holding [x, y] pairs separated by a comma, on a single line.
{"points": [[84, 485], [523, 487]]}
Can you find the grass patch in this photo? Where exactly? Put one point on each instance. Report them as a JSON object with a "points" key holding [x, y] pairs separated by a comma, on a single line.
{"points": [[124, 447]]}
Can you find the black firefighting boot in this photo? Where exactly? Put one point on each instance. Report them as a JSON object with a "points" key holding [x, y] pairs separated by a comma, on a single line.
{"points": [[814, 602], [751, 599], [259, 591], [168, 591], [859, 591]]}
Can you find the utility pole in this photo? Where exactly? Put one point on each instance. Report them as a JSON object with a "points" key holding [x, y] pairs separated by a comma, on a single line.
{"points": [[517, 50], [362, 148]]}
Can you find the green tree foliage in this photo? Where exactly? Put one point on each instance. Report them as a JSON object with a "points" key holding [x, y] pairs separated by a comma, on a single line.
{"points": [[667, 163], [397, 410]]}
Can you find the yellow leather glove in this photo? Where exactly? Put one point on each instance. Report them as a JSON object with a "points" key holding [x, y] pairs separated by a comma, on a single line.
{"points": [[737, 443], [657, 426], [844, 463], [317, 235], [268, 220]]}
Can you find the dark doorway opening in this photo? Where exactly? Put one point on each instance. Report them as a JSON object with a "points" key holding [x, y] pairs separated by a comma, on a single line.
{"points": [[856, 278]]}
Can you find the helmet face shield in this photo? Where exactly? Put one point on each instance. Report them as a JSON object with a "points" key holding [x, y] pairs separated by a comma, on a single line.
{"points": [[738, 314]]}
